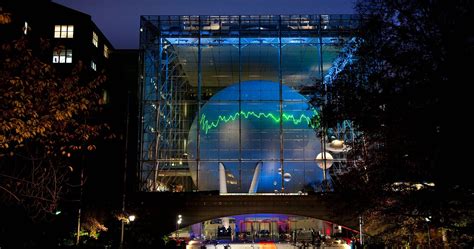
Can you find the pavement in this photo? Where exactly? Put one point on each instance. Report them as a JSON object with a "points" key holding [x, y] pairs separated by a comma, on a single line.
{"points": [[265, 245]]}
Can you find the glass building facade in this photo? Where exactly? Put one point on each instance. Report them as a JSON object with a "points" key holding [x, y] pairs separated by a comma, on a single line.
{"points": [[224, 100]]}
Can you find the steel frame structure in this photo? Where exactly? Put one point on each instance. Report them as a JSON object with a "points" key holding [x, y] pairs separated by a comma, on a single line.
{"points": [[164, 85]]}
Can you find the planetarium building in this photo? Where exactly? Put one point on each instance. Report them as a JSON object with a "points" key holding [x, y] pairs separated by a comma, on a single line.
{"points": [[225, 104]]}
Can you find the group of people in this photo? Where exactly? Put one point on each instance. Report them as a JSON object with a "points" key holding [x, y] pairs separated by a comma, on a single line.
{"points": [[307, 236]]}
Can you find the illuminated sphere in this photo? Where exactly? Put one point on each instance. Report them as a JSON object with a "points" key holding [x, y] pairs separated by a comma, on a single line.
{"points": [[320, 161], [337, 144], [287, 177], [259, 140]]}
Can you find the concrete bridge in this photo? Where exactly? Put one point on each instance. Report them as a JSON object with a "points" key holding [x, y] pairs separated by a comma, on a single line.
{"points": [[159, 211]]}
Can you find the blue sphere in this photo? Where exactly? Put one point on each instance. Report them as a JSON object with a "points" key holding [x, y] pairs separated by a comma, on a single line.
{"points": [[242, 130]]}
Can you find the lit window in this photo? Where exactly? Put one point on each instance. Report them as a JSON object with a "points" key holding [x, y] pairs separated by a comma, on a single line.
{"points": [[95, 39], [63, 31], [106, 51], [62, 56], [93, 66]]}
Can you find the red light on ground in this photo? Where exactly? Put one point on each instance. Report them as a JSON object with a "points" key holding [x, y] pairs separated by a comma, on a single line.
{"points": [[348, 240], [267, 245]]}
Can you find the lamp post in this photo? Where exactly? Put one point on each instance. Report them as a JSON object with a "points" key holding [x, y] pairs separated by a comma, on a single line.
{"points": [[126, 219], [178, 222], [78, 228], [428, 219], [124, 189]]}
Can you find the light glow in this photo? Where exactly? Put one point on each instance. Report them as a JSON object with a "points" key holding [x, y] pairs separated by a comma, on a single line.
{"points": [[207, 125]]}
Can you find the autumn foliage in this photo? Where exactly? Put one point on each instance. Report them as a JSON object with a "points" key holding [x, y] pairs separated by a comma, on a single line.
{"points": [[45, 124]]}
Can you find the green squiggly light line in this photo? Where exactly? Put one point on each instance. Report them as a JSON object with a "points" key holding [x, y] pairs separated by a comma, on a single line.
{"points": [[207, 125]]}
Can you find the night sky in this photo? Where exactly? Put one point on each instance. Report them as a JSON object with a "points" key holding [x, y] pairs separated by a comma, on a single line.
{"points": [[119, 19]]}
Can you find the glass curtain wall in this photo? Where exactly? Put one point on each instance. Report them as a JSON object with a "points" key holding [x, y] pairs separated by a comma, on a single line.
{"points": [[224, 100]]}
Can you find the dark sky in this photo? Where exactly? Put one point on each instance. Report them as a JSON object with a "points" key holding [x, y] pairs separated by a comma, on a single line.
{"points": [[119, 19]]}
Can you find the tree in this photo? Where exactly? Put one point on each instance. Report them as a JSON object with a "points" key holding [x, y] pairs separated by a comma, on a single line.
{"points": [[45, 127], [410, 55]]}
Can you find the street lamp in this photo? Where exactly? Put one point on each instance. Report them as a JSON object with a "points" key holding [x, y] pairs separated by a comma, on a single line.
{"points": [[178, 222], [125, 219], [428, 219]]}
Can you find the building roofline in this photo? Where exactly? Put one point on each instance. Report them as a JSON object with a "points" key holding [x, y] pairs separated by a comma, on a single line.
{"points": [[259, 15], [89, 17]]}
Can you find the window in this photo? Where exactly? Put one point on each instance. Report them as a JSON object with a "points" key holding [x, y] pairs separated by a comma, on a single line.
{"points": [[95, 39], [62, 56], [63, 31], [106, 51], [93, 66]]}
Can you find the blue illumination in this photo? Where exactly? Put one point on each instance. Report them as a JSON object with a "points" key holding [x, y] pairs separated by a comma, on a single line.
{"points": [[259, 139], [183, 41], [345, 58]]}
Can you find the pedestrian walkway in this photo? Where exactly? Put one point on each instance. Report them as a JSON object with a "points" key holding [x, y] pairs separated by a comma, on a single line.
{"points": [[265, 245]]}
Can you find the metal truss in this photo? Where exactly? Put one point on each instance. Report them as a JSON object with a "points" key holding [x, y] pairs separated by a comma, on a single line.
{"points": [[345, 58], [344, 130], [165, 87]]}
